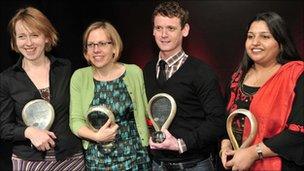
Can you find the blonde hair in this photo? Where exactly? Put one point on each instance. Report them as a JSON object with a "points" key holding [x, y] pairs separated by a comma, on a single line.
{"points": [[36, 20], [111, 33]]}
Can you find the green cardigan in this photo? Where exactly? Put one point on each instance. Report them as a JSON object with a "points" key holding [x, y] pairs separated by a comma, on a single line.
{"points": [[82, 93]]}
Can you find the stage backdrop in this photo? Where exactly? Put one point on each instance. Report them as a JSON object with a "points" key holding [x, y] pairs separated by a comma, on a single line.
{"points": [[216, 34]]}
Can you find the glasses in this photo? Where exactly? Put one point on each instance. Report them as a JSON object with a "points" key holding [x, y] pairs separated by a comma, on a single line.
{"points": [[91, 46]]}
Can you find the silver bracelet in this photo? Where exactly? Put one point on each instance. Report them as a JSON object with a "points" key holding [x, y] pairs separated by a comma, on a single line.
{"points": [[259, 151]]}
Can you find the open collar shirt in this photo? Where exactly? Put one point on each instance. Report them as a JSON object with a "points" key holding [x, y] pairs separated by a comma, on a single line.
{"points": [[173, 63]]}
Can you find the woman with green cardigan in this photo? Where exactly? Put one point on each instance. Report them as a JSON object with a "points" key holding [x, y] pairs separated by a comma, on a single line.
{"points": [[119, 87]]}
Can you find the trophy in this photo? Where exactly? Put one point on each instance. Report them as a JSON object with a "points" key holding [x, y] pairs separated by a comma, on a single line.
{"points": [[38, 113], [162, 109], [96, 117], [253, 128]]}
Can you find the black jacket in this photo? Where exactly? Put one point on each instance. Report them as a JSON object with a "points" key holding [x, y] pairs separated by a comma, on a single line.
{"points": [[16, 89]]}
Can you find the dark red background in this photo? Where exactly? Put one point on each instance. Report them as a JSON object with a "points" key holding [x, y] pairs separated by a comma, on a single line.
{"points": [[216, 35]]}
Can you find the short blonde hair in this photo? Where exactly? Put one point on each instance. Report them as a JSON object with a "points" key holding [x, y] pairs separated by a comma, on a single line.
{"points": [[36, 20], [112, 34]]}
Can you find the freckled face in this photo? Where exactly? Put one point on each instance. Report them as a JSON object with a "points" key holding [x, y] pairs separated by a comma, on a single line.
{"points": [[30, 43]]}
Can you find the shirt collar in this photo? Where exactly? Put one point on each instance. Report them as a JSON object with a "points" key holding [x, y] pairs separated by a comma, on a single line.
{"points": [[53, 60], [173, 59]]}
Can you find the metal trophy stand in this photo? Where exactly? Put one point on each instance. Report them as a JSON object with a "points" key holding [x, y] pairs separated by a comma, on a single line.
{"points": [[96, 117], [38, 113]]}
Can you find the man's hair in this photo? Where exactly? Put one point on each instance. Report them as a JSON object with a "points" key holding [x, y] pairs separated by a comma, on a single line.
{"points": [[172, 9]]}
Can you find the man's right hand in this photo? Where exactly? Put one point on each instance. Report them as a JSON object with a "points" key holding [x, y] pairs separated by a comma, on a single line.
{"points": [[170, 142]]}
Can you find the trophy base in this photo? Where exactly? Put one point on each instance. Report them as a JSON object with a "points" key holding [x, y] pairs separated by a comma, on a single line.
{"points": [[158, 137]]}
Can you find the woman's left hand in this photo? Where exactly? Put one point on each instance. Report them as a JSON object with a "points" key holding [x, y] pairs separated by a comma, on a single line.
{"points": [[242, 158]]}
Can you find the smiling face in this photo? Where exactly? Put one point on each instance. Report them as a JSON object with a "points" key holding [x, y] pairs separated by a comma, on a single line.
{"points": [[30, 43], [261, 46], [169, 34], [100, 49]]}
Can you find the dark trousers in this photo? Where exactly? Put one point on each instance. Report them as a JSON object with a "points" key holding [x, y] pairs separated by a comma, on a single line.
{"points": [[203, 165]]}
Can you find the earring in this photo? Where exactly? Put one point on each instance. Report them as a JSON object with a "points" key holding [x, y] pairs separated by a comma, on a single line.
{"points": [[113, 55]]}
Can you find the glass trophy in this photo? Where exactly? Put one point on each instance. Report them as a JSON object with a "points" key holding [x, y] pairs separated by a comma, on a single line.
{"points": [[161, 110], [253, 128], [96, 117], [38, 113]]}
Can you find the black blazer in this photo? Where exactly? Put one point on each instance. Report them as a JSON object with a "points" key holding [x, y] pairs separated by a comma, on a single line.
{"points": [[16, 89]]}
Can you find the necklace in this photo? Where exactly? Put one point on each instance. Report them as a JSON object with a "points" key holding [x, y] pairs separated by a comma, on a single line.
{"points": [[257, 82], [254, 78], [37, 73]]}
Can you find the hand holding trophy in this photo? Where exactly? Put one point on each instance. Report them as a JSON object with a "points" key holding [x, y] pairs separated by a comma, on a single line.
{"points": [[97, 117], [253, 130], [162, 109], [39, 114]]}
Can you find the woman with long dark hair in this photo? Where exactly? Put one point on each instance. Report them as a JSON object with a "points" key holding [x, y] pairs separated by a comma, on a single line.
{"points": [[269, 82]]}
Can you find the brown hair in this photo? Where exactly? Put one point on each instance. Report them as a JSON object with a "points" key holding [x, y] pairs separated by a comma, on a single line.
{"points": [[112, 34], [36, 20], [172, 9]]}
